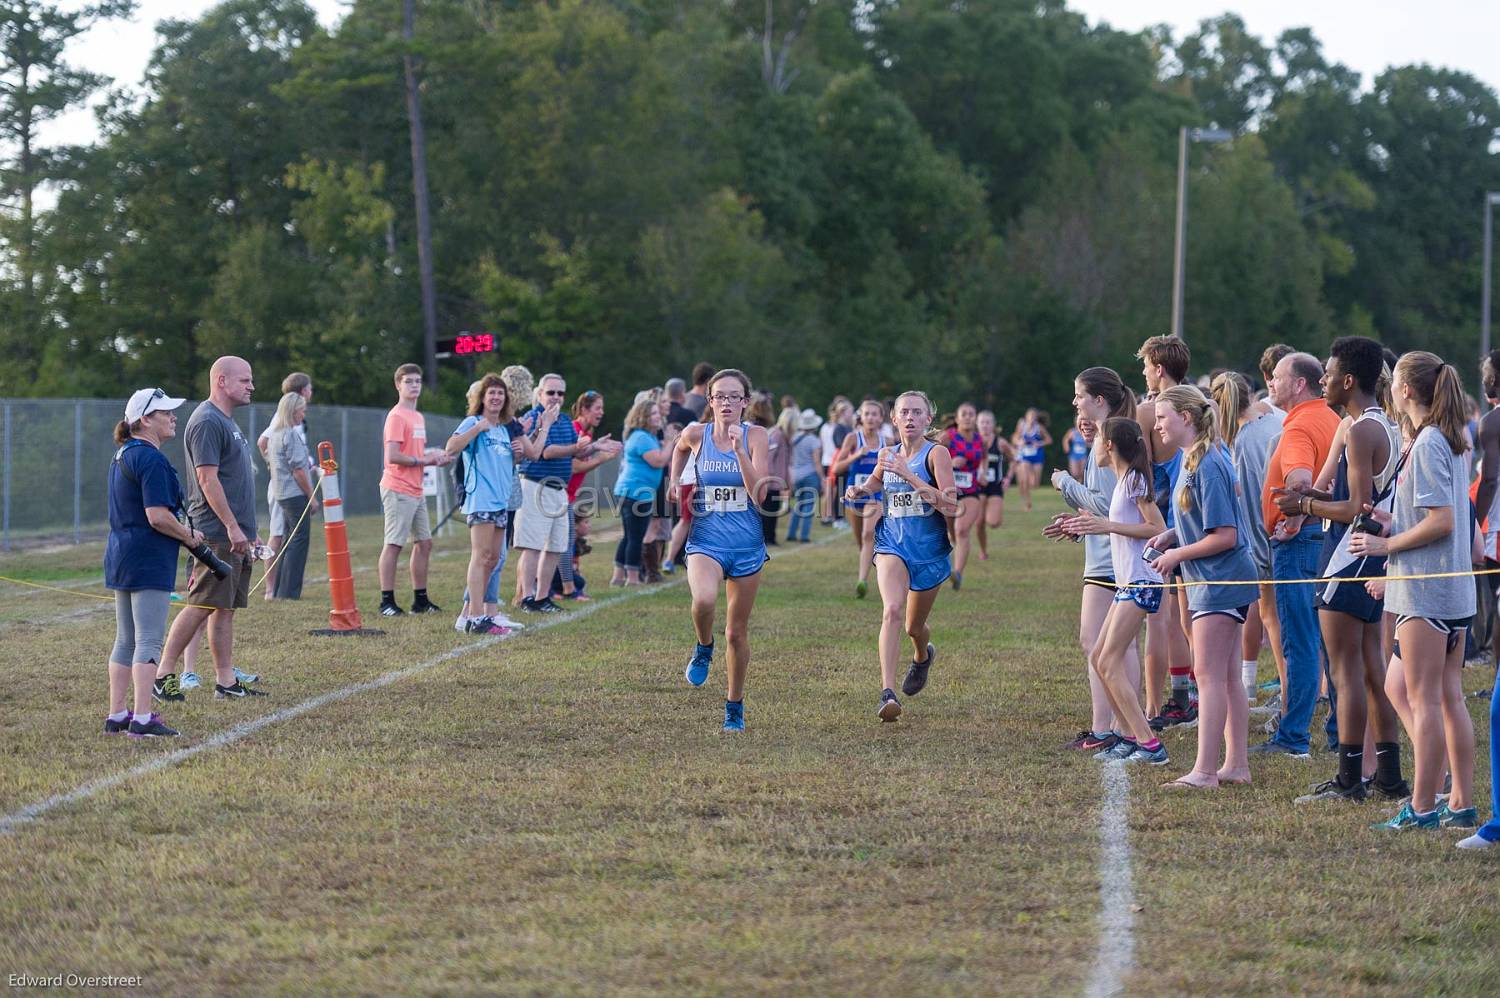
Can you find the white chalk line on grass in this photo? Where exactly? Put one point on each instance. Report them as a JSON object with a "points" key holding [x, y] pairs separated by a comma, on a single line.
{"points": [[1116, 953], [15, 820]]}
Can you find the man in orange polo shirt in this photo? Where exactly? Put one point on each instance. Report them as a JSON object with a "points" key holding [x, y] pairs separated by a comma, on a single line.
{"points": [[1296, 541]]}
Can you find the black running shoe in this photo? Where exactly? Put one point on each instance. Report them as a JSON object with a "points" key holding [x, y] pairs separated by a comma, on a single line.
{"points": [[166, 688], [1173, 715], [1399, 791], [391, 610], [890, 707], [916, 674], [117, 727], [425, 606], [238, 691], [1333, 790], [547, 606], [151, 727]]}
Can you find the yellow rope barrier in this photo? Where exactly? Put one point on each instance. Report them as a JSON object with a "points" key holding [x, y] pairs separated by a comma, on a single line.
{"points": [[175, 605]]}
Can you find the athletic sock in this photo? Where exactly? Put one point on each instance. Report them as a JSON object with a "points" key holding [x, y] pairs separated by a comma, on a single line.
{"points": [[419, 595], [119, 715], [388, 596], [1351, 761], [1388, 763], [1248, 669], [1181, 681], [1101, 735], [1152, 745]]}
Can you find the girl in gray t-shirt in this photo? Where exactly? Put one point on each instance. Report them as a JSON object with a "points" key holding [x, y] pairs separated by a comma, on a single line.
{"points": [[1430, 532], [1209, 543]]}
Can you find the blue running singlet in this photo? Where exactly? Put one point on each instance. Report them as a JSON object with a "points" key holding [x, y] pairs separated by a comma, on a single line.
{"points": [[1031, 444], [862, 468], [726, 523], [913, 530]]}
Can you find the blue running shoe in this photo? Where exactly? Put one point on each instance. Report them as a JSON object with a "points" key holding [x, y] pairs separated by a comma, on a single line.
{"points": [[1407, 818], [697, 670], [734, 715], [1121, 749], [1152, 757], [1464, 817]]}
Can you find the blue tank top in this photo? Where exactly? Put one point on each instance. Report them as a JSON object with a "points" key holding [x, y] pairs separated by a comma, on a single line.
{"points": [[911, 528], [724, 518], [1078, 448], [1031, 443], [1164, 475], [861, 469]]}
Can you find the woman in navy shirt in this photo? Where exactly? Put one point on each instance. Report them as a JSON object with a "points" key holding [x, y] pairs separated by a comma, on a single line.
{"points": [[140, 557]]}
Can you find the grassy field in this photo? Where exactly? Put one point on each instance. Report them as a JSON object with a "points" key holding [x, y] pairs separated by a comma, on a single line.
{"points": [[558, 813]]}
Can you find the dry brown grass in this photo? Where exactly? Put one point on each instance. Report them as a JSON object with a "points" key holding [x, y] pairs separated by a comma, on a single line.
{"points": [[560, 814]]}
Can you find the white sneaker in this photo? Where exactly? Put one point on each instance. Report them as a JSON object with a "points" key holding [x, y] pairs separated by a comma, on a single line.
{"points": [[1475, 842], [244, 677], [189, 681], [505, 621], [460, 622]]}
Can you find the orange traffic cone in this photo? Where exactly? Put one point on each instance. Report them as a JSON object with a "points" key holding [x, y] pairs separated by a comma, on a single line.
{"points": [[343, 618]]}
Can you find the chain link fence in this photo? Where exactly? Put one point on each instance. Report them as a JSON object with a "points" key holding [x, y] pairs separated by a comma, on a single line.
{"points": [[55, 456]]}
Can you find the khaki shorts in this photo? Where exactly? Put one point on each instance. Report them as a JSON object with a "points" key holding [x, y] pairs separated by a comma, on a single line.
{"points": [[229, 593], [542, 521], [405, 518]]}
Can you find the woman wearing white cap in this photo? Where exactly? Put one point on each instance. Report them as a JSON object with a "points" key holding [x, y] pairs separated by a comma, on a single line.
{"points": [[140, 558]]}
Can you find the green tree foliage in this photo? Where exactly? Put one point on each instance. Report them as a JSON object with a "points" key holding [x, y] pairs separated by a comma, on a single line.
{"points": [[36, 86], [838, 196]]}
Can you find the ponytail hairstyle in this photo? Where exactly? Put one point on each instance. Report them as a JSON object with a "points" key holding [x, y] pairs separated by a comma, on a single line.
{"points": [[1383, 394], [1231, 393], [1193, 404], [1106, 384], [123, 431], [934, 433], [1435, 385], [1125, 436]]}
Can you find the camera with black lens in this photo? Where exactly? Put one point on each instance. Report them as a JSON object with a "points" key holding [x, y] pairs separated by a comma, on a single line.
{"points": [[1365, 523], [211, 561]]}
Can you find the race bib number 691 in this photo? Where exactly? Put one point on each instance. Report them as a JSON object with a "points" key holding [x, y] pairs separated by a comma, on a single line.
{"points": [[725, 499]]}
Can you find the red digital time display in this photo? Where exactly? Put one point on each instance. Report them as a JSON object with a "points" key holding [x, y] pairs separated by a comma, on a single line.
{"points": [[466, 343]]}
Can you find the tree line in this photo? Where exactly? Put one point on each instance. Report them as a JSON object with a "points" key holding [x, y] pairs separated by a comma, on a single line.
{"points": [[852, 197]]}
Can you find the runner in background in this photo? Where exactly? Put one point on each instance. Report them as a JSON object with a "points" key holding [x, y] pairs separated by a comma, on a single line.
{"points": [[998, 453], [1077, 448], [1031, 440], [966, 444], [855, 462]]}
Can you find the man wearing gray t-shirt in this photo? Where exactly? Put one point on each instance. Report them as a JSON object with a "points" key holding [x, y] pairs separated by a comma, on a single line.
{"points": [[221, 504]]}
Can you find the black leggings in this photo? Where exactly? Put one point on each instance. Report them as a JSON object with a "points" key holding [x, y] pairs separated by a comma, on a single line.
{"points": [[635, 517], [768, 514]]}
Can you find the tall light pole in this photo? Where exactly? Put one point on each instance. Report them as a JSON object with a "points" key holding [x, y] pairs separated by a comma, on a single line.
{"points": [[1491, 198], [1184, 135]]}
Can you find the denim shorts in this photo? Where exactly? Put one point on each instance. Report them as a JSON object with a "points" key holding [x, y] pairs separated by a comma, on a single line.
{"points": [[1147, 597]]}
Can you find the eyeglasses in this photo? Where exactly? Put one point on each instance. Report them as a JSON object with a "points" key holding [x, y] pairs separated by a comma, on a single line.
{"points": [[554, 393], [731, 399]]}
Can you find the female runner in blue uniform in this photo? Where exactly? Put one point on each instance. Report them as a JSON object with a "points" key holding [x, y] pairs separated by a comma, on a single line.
{"points": [[730, 458], [1031, 441], [1078, 451], [856, 462], [915, 479]]}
